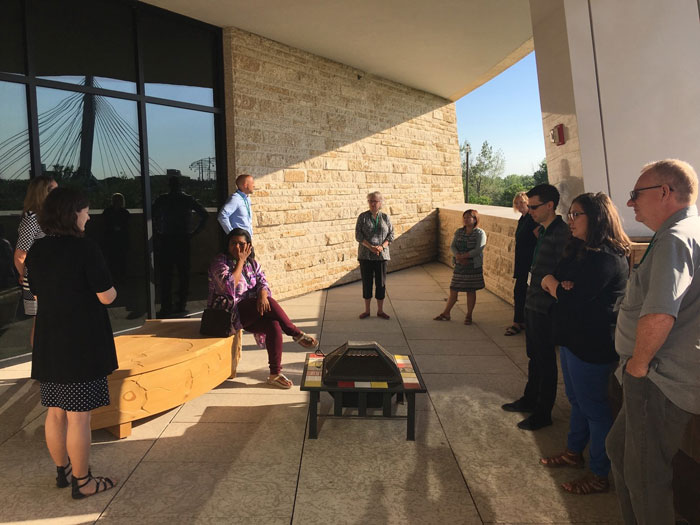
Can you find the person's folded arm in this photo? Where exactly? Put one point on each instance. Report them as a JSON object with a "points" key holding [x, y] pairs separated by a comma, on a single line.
{"points": [[480, 243], [590, 282]]}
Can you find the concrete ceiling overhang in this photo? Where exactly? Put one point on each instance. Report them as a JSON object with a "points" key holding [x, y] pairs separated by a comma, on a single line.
{"points": [[444, 47]]}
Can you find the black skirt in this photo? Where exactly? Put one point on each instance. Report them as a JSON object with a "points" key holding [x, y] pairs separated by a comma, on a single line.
{"points": [[75, 397]]}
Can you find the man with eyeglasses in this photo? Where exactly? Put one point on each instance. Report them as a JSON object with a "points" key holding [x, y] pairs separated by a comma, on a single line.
{"points": [[541, 387], [658, 340]]}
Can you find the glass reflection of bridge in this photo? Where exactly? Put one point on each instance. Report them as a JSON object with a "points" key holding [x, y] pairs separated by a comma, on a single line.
{"points": [[78, 127]]}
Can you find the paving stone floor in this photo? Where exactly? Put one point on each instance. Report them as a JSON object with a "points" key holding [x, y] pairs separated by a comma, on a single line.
{"points": [[239, 454]]}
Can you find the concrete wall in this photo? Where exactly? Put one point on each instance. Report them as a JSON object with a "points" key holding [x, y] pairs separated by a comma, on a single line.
{"points": [[499, 224], [623, 79], [318, 136]]}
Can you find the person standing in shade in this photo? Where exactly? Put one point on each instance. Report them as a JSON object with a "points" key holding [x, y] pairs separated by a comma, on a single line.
{"points": [[237, 213], [525, 240], [374, 233], [116, 236], [468, 250], [172, 218], [28, 232], [541, 388], [587, 283], [658, 341]]}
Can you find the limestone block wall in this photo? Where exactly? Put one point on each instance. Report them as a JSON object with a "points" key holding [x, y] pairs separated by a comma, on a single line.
{"points": [[318, 136], [499, 224]]}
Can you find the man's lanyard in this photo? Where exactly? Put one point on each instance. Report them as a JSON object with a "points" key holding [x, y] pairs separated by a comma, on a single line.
{"points": [[247, 204], [543, 232], [651, 243]]}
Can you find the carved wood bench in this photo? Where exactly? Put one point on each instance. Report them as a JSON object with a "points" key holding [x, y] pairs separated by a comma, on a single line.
{"points": [[163, 364]]}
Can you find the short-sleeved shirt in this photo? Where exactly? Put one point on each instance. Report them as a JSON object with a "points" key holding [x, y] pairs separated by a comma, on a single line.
{"points": [[375, 231], [236, 213], [73, 339], [667, 281]]}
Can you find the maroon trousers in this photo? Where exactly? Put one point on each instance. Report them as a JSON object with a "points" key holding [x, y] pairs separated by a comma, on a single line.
{"points": [[272, 324]]}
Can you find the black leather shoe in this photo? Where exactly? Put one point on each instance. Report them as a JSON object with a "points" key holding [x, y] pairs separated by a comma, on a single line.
{"points": [[517, 406], [535, 423]]}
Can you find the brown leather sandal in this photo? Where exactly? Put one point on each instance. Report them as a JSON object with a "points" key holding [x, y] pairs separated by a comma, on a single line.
{"points": [[590, 484], [565, 459]]}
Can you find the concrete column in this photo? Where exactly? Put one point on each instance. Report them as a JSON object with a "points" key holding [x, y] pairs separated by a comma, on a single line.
{"points": [[624, 79]]}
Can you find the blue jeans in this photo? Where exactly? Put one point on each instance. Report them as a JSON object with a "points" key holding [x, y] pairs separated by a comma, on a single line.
{"points": [[587, 389]]}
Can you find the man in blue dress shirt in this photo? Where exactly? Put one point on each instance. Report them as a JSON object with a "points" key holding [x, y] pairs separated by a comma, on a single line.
{"points": [[236, 213]]}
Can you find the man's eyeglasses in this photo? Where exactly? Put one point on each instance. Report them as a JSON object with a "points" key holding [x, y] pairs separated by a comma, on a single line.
{"points": [[574, 214], [535, 206], [634, 194], [239, 244]]}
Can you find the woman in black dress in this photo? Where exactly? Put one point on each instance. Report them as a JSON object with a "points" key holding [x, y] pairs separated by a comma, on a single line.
{"points": [[525, 240], [73, 344], [586, 284]]}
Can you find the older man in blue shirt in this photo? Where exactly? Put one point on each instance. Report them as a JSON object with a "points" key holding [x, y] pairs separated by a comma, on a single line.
{"points": [[237, 213], [658, 339]]}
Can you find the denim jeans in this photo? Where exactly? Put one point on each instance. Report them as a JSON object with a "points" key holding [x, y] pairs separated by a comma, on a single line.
{"points": [[587, 389], [642, 442]]}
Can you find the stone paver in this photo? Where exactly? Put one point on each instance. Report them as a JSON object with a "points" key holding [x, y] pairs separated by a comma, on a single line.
{"points": [[239, 454]]}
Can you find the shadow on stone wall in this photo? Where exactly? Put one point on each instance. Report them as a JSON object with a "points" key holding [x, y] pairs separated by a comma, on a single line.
{"points": [[416, 245]]}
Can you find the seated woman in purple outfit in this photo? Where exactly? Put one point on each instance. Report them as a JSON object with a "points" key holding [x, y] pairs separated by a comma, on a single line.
{"points": [[237, 284]]}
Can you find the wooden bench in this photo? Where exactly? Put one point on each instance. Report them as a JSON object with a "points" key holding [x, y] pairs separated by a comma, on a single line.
{"points": [[162, 365]]}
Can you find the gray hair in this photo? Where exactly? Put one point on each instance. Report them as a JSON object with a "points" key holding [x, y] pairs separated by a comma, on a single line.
{"points": [[679, 175], [376, 195]]}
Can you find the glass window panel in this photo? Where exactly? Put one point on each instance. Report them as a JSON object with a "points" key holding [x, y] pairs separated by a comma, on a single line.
{"points": [[178, 59], [11, 37], [92, 142], [84, 42], [182, 142], [14, 146], [14, 176]]}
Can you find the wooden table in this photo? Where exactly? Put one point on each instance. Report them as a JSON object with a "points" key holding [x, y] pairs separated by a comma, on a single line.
{"points": [[412, 384]]}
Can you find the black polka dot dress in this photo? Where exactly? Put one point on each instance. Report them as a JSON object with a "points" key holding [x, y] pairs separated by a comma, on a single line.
{"points": [[75, 397]]}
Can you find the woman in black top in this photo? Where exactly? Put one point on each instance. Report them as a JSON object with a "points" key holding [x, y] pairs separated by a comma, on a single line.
{"points": [[525, 241], [73, 344], [586, 284]]}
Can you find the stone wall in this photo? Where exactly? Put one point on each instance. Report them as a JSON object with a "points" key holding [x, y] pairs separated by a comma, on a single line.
{"points": [[318, 136], [499, 224]]}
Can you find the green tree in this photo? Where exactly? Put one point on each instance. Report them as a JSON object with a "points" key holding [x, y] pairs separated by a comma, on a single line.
{"points": [[484, 173], [540, 175]]}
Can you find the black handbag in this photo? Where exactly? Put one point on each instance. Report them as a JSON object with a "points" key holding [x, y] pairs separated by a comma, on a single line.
{"points": [[216, 321]]}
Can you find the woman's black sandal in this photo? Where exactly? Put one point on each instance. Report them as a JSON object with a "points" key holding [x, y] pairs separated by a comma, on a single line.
{"points": [[101, 484], [62, 476]]}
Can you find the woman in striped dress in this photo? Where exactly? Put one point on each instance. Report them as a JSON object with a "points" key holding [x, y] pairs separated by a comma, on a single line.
{"points": [[28, 232], [468, 251]]}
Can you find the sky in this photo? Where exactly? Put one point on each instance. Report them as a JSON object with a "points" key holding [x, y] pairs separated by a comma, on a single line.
{"points": [[506, 112]]}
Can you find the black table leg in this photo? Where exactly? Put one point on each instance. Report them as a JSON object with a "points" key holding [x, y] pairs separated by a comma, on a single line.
{"points": [[338, 405], [411, 420], [313, 414], [362, 404], [399, 398], [386, 402]]}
